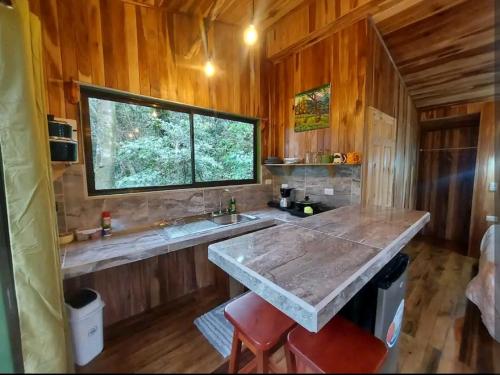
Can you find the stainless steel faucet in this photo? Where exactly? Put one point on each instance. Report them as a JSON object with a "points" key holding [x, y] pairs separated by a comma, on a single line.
{"points": [[220, 199]]}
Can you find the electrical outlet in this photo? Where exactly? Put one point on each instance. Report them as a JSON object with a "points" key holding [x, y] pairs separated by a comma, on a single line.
{"points": [[329, 191], [268, 181], [284, 186], [491, 219], [492, 186]]}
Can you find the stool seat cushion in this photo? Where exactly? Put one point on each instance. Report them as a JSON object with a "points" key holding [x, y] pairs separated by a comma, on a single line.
{"points": [[260, 322], [340, 347]]}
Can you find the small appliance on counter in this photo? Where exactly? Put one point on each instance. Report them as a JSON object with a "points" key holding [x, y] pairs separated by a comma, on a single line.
{"points": [[307, 206], [301, 208], [63, 148], [286, 200]]}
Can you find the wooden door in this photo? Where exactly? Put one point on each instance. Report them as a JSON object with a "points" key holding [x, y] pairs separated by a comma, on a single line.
{"points": [[380, 156], [446, 181]]}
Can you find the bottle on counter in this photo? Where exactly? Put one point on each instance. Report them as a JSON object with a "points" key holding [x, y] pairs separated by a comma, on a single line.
{"points": [[232, 205], [106, 223]]}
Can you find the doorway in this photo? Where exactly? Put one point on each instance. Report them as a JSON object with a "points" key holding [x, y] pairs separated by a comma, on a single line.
{"points": [[447, 165]]}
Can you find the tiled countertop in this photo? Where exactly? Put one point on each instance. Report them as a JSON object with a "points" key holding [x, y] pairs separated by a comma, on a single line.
{"points": [[79, 258], [310, 268]]}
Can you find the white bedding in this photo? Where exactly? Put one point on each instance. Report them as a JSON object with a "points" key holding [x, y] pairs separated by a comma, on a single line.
{"points": [[482, 288]]}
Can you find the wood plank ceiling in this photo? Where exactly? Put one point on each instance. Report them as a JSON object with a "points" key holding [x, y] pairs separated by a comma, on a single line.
{"points": [[444, 49], [448, 56], [230, 11]]}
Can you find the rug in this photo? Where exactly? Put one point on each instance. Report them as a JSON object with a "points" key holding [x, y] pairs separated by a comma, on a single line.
{"points": [[216, 329]]}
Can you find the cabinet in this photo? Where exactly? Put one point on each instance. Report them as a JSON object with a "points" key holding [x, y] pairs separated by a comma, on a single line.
{"points": [[380, 157]]}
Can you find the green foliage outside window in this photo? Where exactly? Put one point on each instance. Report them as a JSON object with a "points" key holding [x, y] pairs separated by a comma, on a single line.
{"points": [[223, 149], [135, 146]]}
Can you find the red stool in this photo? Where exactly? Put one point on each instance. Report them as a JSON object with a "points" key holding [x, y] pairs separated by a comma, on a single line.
{"points": [[258, 325], [340, 347]]}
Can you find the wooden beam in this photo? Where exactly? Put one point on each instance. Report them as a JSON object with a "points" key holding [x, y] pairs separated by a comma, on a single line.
{"points": [[207, 20]]}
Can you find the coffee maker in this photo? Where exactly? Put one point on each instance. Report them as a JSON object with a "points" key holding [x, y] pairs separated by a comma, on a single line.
{"points": [[285, 201]]}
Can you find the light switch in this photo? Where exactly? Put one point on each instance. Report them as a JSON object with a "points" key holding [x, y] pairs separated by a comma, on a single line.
{"points": [[491, 219], [268, 181], [329, 191], [492, 186]]}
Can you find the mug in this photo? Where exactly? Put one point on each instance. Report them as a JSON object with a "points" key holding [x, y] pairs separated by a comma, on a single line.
{"points": [[337, 158], [353, 158], [325, 159]]}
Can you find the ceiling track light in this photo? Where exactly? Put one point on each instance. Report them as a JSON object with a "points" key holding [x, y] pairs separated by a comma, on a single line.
{"points": [[250, 35]]}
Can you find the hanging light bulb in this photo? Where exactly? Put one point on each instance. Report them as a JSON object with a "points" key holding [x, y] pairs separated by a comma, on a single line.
{"points": [[209, 69], [250, 35]]}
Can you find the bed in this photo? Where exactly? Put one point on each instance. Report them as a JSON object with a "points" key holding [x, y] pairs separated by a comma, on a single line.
{"points": [[482, 288]]}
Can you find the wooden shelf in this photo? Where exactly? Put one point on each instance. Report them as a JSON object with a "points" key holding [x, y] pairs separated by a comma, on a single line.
{"points": [[308, 165]]}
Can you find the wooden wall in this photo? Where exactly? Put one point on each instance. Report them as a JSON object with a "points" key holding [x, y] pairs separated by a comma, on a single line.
{"points": [[361, 71], [151, 282], [339, 59], [445, 49], [483, 202], [142, 50], [386, 91]]}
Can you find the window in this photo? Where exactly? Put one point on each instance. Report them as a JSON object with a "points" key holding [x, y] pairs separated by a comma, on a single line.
{"points": [[142, 144]]}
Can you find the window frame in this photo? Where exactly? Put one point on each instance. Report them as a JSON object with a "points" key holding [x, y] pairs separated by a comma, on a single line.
{"points": [[87, 92]]}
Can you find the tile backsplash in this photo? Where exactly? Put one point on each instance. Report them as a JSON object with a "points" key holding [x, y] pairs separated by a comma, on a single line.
{"points": [[75, 211], [345, 180]]}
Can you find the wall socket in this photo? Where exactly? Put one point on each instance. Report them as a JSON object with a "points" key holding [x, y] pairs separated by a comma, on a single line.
{"points": [[329, 191], [268, 181], [492, 186]]}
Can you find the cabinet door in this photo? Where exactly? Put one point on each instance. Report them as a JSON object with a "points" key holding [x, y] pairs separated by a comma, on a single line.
{"points": [[381, 154]]}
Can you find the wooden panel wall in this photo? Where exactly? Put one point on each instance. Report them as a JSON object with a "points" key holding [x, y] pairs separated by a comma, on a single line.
{"points": [[483, 202], [386, 91], [444, 48], [151, 282], [446, 181], [358, 65], [142, 50], [340, 60]]}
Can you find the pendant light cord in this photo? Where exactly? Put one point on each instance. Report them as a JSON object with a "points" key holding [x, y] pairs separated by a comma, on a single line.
{"points": [[253, 12]]}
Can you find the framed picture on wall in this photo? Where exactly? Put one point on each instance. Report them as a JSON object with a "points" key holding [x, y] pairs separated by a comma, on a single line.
{"points": [[312, 109]]}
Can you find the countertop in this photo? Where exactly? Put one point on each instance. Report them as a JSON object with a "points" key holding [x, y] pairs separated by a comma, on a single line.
{"points": [[79, 258], [310, 268]]}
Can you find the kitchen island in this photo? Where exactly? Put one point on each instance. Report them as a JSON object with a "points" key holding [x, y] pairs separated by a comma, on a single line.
{"points": [[311, 268]]}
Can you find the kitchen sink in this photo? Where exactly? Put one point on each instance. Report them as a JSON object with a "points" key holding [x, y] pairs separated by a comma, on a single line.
{"points": [[203, 223], [229, 219]]}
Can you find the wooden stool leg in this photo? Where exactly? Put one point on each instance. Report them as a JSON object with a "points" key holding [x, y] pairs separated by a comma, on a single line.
{"points": [[262, 362], [291, 366], [234, 360]]}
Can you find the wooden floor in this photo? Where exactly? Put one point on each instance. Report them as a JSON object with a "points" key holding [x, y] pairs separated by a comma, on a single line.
{"points": [[441, 333]]}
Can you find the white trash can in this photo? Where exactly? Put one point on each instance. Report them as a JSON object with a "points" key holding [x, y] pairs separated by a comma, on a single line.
{"points": [[85, 317]]}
